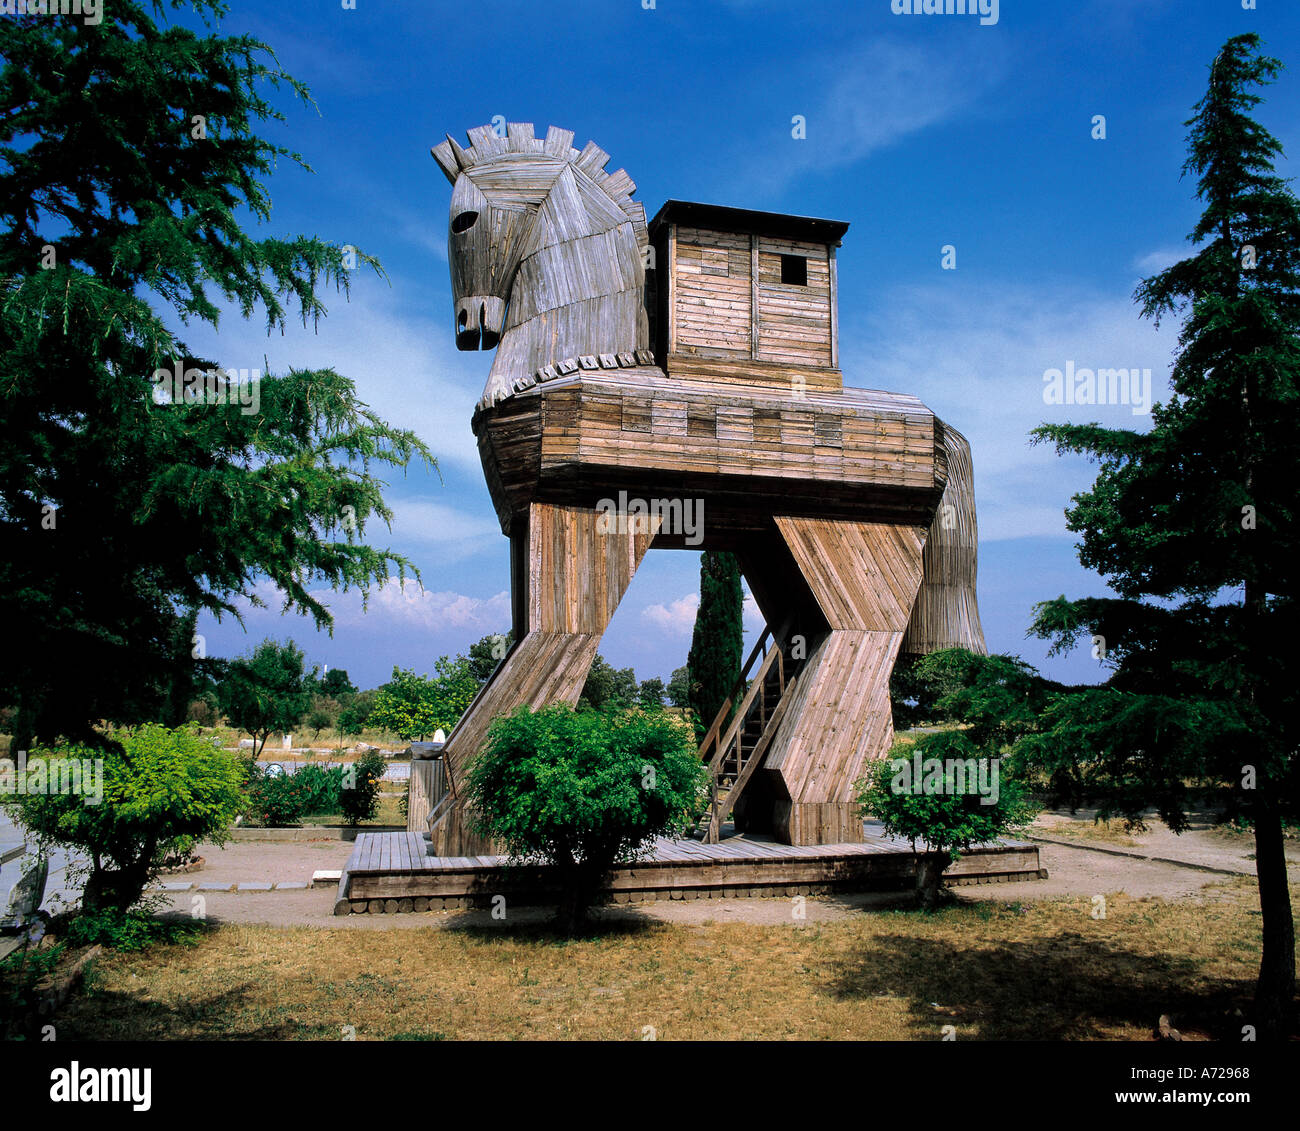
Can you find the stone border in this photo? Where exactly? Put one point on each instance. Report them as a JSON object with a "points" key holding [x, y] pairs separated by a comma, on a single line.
{"points": [[222, 887], [299, 833], [1143, 856]]}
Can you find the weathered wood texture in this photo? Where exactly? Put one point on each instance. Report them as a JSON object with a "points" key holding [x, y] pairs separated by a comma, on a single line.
{"points": [[579, 566], [745, 450], [390, 872], [428, 785], [947, 612], [547, 252], [865, 577], [737, 292]]}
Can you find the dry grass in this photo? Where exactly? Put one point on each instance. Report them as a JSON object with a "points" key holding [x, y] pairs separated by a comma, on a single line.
{"points": [[1107, 832], [1046, 971]]}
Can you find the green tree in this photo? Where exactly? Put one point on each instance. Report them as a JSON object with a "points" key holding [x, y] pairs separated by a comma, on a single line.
{"points": [[267, 692], [322, 713], [584, 791], [947, 793], [679, 687], [355, 717], [487, 653], [652, 693], [414, 706], [336, 684], [160, 787], [1195, 525], [129, 155], [718, 640], [608, 686]]}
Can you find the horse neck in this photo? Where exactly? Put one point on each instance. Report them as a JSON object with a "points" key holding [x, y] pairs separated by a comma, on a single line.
{"points": [[583, 296]]}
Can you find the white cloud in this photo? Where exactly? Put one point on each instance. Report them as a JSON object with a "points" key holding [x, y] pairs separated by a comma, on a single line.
{"points": [[407, 605], [1156, 261], [675, 618], [389, 605], [443, 532], [977, 358], [403, 364], [873, 95]]}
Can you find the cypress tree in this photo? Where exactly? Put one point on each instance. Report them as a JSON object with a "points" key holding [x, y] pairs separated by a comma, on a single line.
{"points": [[713, 665]]}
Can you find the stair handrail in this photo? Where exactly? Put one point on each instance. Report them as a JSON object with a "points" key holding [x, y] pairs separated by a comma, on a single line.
{"points": [[745, 767], [755, 689], [764, 637], [718, 813]]}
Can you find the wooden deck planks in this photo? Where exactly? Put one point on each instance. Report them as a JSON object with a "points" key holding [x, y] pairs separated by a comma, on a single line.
{"points": [[739, 865]]}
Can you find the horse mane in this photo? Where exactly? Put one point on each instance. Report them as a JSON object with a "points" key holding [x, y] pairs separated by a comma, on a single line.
{"points": [[486, 148]]}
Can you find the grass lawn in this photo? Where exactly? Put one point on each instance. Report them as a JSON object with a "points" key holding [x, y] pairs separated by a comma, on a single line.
{"points": [[1110, 832], [1040, 971]]}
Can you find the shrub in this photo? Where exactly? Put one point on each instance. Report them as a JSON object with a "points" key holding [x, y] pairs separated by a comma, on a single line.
{"points": [[21, 974], [584, 791], [277, 799], [359, 798], [128, 930], [941, 792], [159, 786], [321, 787]]}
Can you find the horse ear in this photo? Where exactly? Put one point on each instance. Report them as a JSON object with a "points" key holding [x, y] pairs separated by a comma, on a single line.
{"points": [[445, 155]]}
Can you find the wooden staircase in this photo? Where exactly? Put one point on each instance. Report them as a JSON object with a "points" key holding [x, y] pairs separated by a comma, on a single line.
{"points": [[736, 744]]}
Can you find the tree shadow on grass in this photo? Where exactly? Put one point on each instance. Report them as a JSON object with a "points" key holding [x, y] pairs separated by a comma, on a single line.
{"points": [[605, 923], [1062, 987], [112, 1015]]}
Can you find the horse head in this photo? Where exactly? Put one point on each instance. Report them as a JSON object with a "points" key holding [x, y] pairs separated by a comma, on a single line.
{"points": [[545, 250]]}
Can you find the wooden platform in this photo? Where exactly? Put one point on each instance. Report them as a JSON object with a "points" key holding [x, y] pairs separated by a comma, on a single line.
{"points": [[394, 872]]}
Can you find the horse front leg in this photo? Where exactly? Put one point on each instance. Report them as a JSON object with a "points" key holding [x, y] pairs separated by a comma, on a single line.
{"points": [[578, 565]]}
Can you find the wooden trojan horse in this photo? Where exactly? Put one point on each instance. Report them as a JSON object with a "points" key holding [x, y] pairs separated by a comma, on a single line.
{"points": [[691, 368]]}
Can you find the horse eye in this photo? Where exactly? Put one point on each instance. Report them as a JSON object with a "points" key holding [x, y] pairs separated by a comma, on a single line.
{"points": [[464, 222]]}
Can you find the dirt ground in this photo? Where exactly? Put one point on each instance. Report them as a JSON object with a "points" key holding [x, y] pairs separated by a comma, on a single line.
{"points": [[1083, 867]]}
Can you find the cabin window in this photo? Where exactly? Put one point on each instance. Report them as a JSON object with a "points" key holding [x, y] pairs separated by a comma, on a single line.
{"points": [[794, 270]]}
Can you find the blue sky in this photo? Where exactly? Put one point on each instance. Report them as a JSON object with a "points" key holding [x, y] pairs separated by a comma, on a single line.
{"points": [[922, 131]]}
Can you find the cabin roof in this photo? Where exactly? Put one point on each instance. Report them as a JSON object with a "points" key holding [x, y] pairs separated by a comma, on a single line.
{"points": [[717, 217]]}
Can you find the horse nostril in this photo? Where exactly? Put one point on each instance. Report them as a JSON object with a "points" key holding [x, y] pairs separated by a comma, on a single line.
{"points": [[461, 319], [464, 222]]}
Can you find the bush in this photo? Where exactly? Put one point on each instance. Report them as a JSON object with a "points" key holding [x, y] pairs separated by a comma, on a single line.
{"points": [[128, 930], [359, 799], [276, 800], [21, 973], [584, 791], [159, 787], [941, 792], [322, 788]]}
